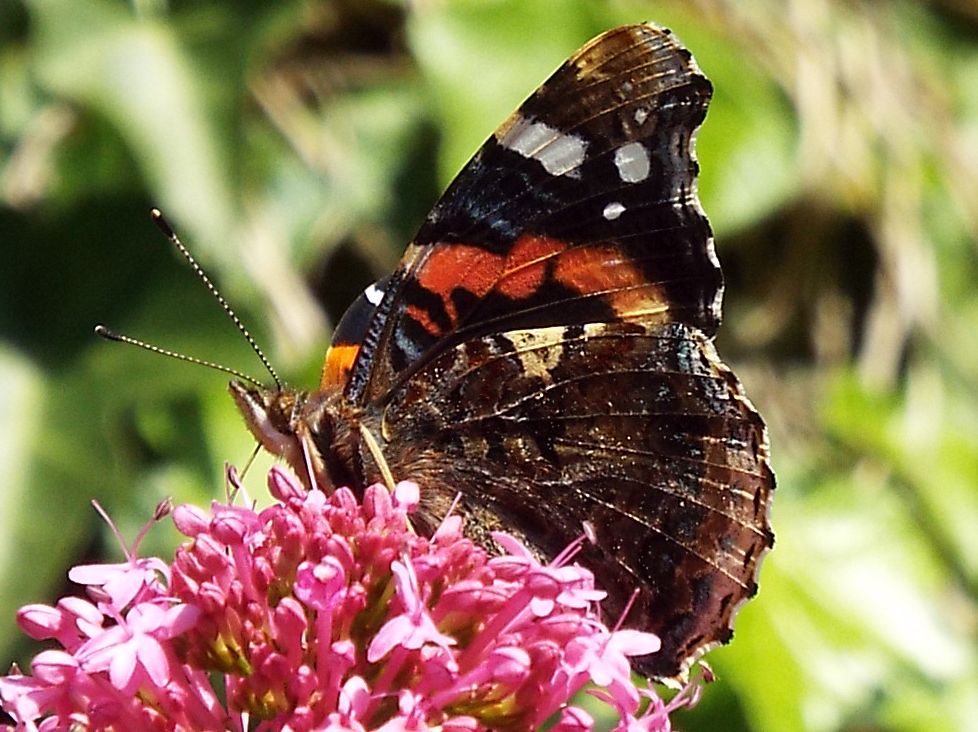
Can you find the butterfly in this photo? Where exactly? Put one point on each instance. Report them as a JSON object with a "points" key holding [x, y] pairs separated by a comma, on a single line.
{"points": [[544, 351]]}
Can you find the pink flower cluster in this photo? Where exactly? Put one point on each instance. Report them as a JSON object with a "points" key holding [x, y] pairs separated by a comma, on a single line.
{"points": [[322, 613]]}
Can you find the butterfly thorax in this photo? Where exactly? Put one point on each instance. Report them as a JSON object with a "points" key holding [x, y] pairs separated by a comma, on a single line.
{"points": [[315, 432]]}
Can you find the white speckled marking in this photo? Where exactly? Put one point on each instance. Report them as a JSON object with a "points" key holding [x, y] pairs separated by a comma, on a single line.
{"points": [[613, 210], [557, 152], [632, 161], [373, 294], [641, 114]]}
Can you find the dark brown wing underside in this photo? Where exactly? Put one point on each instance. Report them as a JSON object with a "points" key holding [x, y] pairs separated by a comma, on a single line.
{"points": [[639, 430]]}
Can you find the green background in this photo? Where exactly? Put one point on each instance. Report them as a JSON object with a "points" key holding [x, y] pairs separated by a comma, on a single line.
{"points": [[297, 145]]}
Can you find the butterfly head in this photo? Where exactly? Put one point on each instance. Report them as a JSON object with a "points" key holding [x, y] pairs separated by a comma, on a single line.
{"points": [[300, 427], [270, 414]]}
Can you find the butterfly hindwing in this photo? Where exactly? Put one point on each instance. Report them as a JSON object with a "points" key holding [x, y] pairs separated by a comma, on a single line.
{"points": [[637, 429]]}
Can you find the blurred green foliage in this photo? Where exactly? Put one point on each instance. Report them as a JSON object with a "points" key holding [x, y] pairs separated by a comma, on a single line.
{"points": [[296, 145]]}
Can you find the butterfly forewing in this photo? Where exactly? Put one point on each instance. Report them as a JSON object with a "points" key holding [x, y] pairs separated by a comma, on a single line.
{"points": [[580, 208]]}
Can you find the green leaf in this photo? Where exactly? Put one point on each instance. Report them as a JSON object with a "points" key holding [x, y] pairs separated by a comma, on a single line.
{"points": [[133, 72]]}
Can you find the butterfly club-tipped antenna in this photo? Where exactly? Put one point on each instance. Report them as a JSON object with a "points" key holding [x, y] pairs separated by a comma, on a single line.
{"points": [[111, 335], [164, 226]]}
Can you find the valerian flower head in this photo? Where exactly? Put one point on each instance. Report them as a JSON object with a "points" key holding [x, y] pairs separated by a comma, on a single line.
{"points": [[328, 613]]}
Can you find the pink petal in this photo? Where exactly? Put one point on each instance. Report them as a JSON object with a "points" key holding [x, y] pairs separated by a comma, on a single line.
{"points": [[634, 642], [153, 659], [573, 719], [510, 666], [190, 520], [460, 724], [406, 495], [512, 545], [122, 666], [283, 486], [40, 622], [354, 697], [406, 584], [96, 574], [54, 667], [449, 528], [377, 504], [392, 633], [179, 619]]}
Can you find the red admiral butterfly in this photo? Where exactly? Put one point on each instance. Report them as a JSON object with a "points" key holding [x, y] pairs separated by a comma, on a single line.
{"points": [[545, 349]]}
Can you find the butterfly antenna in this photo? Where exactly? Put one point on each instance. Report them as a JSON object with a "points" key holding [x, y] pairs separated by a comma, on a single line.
{"points": [[110, 335], [164, 226]]}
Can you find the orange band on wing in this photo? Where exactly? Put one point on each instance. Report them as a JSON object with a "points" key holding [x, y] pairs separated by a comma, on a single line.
{"points": [[517, 274], [604, 269], [526, 265], [460, 265], [420, 316]]}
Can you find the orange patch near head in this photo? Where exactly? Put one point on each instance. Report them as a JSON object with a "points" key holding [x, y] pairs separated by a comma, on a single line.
{"points": [[338, 364]]}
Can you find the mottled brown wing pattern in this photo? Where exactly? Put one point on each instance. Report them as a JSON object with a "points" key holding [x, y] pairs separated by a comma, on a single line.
{"points": [[638, 429], [580, 208]]}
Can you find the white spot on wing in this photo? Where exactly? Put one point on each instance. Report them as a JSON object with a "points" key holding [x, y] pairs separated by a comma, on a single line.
{"points": [[632, 161], [374, 294], [613, 210], [558, 152], [641, 114], [711, 253]]}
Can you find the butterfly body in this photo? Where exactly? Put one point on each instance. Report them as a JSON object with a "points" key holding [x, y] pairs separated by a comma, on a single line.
{"points": [[544, 350]]}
